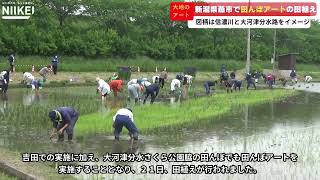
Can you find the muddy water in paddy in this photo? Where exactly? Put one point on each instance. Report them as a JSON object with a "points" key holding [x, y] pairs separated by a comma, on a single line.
{"points": [[289, 126]]}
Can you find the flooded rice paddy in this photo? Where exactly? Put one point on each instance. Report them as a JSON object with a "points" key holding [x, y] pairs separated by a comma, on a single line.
{"points": [[289, 126]]}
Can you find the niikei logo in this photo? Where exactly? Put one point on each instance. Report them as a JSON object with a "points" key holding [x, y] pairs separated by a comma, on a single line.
{"points": [[17, 10]]}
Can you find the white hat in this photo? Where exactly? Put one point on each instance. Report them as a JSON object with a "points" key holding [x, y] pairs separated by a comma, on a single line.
{"points": [[97, 79]]}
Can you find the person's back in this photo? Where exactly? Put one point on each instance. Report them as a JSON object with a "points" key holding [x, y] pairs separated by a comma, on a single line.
{"points": [[153, 87], [188, 79], [145, 83], [308, 78], [116, 84], [175, 83], [269, 77], [44, 70], [124, 118], [225, 75], [67, 112], [155, 79], [27, 75], [103, 86], [132, 81], [233, 75], [11, 59], [248, 77], [163, 75]]}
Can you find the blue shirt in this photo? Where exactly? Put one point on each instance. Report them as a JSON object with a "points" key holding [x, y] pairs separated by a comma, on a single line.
{"points": [[67, 115], [153, 88]]}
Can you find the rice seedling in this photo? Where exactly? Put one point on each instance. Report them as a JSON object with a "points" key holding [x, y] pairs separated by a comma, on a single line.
{"points": [[149, 118]]}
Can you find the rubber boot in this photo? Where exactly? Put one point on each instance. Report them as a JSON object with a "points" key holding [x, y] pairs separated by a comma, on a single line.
{"points": [[70, 136]]}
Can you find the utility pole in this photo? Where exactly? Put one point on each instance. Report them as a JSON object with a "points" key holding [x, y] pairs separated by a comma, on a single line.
{"points": [[248, 51], [248, 48], [274, 49]]}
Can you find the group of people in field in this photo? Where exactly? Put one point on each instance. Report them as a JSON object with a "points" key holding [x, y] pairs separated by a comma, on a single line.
{"points": [[141, 89], [252, 79], [28, 78]]}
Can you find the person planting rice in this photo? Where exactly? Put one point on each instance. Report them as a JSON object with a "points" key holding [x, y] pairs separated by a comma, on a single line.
{"points": [[4, 79], [36, 85], [293, 76], [224, 76], [116, 86], [270, 80], [233, 75], [187, 81], [27, 78], [103, 88], [237, 84], [228, 85], [163, 77], [283, 81], [55, 62], [256, 76], [114, 77], [44, 72], [155, 79], [207, 86], [175, 86], [132, 81], [145, 84], [12, 62], [307, 79], [134, 92], [124, 117], [152, 90], [250, 81], [64, 120]]}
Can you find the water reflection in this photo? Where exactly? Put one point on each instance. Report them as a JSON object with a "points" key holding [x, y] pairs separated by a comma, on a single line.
{"points": [[31, 98], [118, 147], [239, 131]]}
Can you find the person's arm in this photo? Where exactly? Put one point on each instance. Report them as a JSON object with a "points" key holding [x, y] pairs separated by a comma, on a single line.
{"points": [[66, 119], [63, 128]]}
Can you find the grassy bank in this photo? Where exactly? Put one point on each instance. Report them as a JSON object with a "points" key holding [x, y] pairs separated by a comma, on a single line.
{"points": [[148, 118], [38, 170], [4, 176], [81, 64]]}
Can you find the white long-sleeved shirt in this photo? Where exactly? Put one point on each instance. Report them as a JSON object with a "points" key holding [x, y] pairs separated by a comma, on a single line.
{"points": [[189, 79], [28, 77], [124, 112], [175, 83], [103, 87], [308, 78], [132, 81], [146, 83], [136, 87], [154, 79]]}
